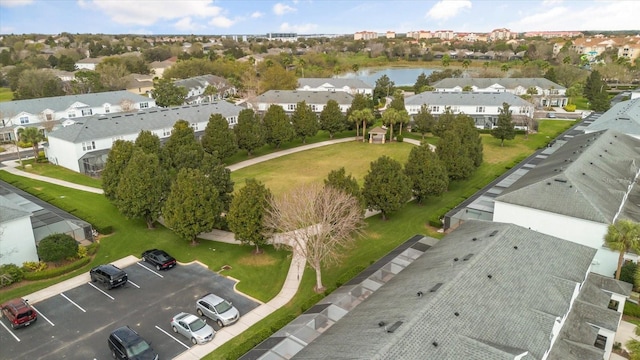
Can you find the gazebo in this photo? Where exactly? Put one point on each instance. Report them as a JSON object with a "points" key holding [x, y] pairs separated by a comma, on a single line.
{"points": [[377, 134]]}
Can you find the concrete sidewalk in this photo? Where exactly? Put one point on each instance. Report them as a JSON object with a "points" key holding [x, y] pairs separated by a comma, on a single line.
{"points": [[11, 167]]}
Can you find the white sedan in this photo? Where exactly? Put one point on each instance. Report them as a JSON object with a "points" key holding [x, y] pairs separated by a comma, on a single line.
{"points": [[192, 327]]}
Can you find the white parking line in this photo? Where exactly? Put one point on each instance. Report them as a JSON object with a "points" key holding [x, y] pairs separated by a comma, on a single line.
{"points": [[40, 314], [134, 284], [14, 335], [97, 288], [173, 337], [71, 301], [146, 268]]}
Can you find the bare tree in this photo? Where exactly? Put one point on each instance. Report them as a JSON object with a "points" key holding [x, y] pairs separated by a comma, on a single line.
{"points": [[319, 222]]}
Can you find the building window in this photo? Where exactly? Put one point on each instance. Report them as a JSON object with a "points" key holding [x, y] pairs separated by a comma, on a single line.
{"points": [[49, 117], [71, 115], [88, 145], [291, 107], [107, 109], [479, 109], [87, 112], [166, 132], [613, 304], [194, 126], [24, 120], [435, 108], [314, 108], [232, 120], [144, 105], [601, 342]]}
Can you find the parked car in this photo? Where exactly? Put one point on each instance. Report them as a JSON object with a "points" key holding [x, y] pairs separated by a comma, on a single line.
{"points": [[192, 327], [159, 258], [109, 275], [551, 115], [217, 309], [125, 343], [19, 313]]}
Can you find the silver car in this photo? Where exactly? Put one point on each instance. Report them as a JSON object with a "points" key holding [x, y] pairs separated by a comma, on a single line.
{"points": [[193, 328], [218, 309]]}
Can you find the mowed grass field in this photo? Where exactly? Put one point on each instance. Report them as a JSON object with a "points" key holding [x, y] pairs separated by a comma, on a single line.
{"points": [[304, 167]]}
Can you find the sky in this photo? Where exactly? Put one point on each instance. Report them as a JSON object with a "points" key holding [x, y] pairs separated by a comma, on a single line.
{"points": [[228, 17]]}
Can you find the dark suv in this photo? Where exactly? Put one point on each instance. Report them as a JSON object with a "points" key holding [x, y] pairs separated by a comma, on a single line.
{"points": [[109, 275], [19, 313], [125, 343]]}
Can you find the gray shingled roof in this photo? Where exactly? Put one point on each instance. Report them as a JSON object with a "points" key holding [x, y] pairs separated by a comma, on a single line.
{"points": [[509, 83], [335, 82], [623, 117], [465, 99], [589, 178], [311, 97], [60, 103], [533, 278], [100, 127], [200, 81]]}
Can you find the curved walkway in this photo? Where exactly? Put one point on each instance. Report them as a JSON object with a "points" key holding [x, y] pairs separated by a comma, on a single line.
{"points": [[294, 275]]}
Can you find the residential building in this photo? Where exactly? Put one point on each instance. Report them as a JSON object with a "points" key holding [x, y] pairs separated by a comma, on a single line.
{"points": [[419, 35], [365, 35], [391, 35], [25, 220], [351, 86], [158, 67], [286, 37], [444, 34], [553, 34], [623, 117], [485, 291], [84, 145], [88, 63], [288, 100], [140, 84], [586, 185], [630, 49], [47, 113], [547, 93], [502, 34], [593, 46], [197, 85], [483, 107]]}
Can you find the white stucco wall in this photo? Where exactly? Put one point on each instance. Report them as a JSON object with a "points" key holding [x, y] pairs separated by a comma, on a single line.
{"points": [[17, 244], [62, 153], [579, 231]]}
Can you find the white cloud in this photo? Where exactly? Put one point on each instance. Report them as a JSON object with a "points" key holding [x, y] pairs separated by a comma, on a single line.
{"points": [[299, 29], [256, 15], [445, 9], [222, 22], [281, 9], [186, 24], [551, 2], [149, 12], [15, 3]]}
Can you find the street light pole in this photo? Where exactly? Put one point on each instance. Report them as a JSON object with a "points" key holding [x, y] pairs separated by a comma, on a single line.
{"points": [[18, 149]]}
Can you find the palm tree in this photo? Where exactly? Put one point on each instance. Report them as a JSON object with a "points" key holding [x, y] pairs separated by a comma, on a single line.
{"points": [[364, 115], [391, 116], [466, 63], [31, 135], [210, 91], [301, 62], [623, 236], [403, 118]]}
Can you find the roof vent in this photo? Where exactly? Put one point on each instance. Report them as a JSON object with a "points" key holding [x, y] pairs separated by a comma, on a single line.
{"points": [[456, 313], [435, 287], [435, 344], [467, 257], [474, 239], [560, 180], [493, 233], [382, 323], [394, 327], [489, 276], [419, 293], [515, 247], [455, 259]]}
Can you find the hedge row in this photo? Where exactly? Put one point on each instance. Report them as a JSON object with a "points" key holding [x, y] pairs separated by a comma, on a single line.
{"points": [[631, 309], [54, 272]]}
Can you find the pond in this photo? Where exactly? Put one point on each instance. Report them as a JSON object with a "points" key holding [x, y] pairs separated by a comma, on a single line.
{"points": [[400, 76]]}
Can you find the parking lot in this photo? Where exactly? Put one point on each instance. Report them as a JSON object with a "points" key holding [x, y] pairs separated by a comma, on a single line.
{"points": [[76, 323]]}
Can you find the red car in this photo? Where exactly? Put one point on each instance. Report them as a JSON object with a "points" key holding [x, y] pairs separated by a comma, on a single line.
{"points": [[19, 313]]}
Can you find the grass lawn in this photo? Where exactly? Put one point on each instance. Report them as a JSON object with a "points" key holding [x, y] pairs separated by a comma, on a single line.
{"points": [[59, 172], [580, 102], [5, 94], [285, 172]]}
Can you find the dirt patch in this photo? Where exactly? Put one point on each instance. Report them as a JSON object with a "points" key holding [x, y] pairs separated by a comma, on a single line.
{"points": [[257, 260], [373, 235]]}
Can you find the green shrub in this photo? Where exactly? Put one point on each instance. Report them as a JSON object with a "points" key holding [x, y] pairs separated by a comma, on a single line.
{"points": [[34, 266], [399, 138], [9, 274], [57, 247], [104, 230], [628, 272], [570, 108], [631, 309], [82, 252], [54, 272]]}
